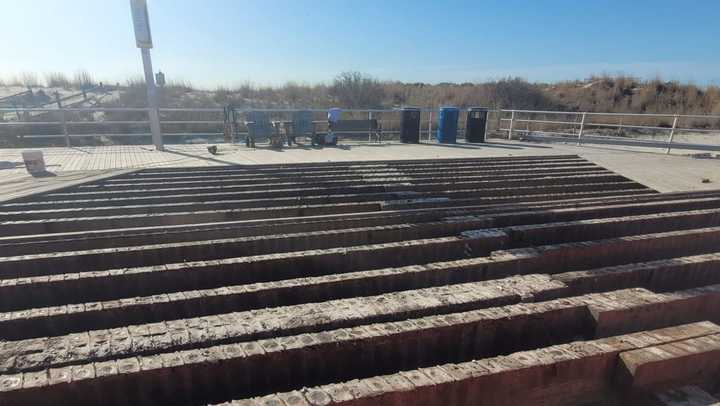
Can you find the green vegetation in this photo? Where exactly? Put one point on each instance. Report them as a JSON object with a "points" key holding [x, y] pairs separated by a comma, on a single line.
{"points": [[57, 79], [356, 90]]}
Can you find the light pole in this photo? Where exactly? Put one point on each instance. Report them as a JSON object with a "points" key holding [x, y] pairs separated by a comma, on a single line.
{"points": [[143, 40]]}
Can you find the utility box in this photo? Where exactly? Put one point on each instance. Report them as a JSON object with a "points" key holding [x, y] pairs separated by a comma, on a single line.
{"points": [[448, 125], [410, 125], [476, 124], [34, 162]]}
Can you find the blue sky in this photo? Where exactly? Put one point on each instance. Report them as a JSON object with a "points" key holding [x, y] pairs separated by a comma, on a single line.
{"points": [[213, 42]]}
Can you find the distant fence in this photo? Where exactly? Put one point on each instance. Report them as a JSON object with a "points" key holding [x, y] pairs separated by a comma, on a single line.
{"points": [[10, 99], [23, 101], [83, 126]]}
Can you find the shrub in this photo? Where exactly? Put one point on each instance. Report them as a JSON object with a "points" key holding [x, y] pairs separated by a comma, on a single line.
{"points": [[83, 79], [57, 79], [29, 79], [355, 90]]}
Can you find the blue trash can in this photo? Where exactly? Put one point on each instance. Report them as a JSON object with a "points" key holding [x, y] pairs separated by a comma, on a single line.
{"points": [[448, 125]]}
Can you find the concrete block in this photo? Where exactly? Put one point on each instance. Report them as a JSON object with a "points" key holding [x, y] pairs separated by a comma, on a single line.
{"points": [[673, 364]]}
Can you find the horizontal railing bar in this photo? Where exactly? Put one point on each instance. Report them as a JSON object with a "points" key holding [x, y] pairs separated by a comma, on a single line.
{"points": [[574, 123], [713, 116], [615, 137], [23, 123], [612, 114], [544, 121], [702, 130], [542, 112], [88, 109], [208, 109], [40, 136], [595, 139], [191, 134], [394, 110], [644, 127], [535, 131], [105, 122], [192, 122]]}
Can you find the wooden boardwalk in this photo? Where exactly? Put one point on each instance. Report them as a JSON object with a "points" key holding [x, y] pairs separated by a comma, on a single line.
{"points": [[503, 281], [666, 173]]}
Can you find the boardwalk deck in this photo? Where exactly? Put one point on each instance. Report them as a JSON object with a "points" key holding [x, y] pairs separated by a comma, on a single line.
{"points": [[666, 173], [538, 278]]}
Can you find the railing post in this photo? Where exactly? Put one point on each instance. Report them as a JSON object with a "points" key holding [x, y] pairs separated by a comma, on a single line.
{"points": [[582, 128], [17, 111], [155, 129], [63, 119], [487, 126], [370, 117], [430, 126], [512, 122], [672, 134], [234, 128]]}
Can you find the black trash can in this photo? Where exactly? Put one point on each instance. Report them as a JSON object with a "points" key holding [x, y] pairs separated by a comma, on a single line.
{"points": [[410, 125], [476, 124]]}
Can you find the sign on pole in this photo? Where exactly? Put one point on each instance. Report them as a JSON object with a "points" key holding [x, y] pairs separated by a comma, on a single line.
{"points": [[141, 23]]}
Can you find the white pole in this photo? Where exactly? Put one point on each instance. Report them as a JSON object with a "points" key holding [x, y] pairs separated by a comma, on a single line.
{"points": [[512, 121], [430, 126], [370, 132], [63, 117], [143, 40], [152, 102], [582, 127], [487, 119], [672, 134]]}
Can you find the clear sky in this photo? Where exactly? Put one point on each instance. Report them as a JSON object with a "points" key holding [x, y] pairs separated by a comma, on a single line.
{"points": [[212, 42]]}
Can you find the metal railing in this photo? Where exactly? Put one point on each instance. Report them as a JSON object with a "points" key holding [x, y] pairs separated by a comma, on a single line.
{"points": [[80, 122], [69, 122], [628, 129], [643, 130]]}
